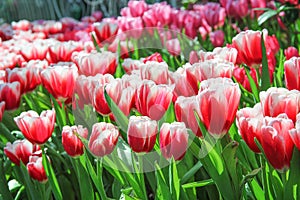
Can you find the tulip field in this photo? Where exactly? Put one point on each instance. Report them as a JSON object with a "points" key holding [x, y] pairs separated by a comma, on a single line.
{"points": [[196, 102]]}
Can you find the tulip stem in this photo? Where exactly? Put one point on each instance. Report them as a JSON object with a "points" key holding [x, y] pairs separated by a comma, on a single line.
{"points": [[141, 175], [99, 174]]}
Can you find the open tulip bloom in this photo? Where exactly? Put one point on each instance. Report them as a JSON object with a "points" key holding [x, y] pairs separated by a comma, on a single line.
{"points": [[201, 102]]}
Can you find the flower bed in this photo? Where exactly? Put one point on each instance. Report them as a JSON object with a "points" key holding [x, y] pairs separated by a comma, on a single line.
{"points": [[158, 103]]}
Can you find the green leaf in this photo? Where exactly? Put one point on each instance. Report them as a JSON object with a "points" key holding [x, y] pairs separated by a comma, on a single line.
{"points": [[4, 191], [51, 177], [198, 184], [163, 191], [60, 113], [257, 190], [174, 180], [120, 118], [249, 176], [95, 43], [191, 172], [265, 16], [252, 85], [265, 77]]}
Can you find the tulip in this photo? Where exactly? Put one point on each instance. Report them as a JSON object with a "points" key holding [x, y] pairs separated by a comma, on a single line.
{"points": [[276, 141], [154, 57], [137, 8], [36, 128], [2, 108], [130, 65], [295, 132], [237, 8], [184, 111], [103, 139], [155, 71], [217, 38], [105, 31], [249, 122], [62, 51], [20, 150], [153, 100], [291, 52], [214, 14], [36, 169], [10, 93], [70, 141], [221, 96], [36, 50], [276, 101], [292, 73], [59, 79], [91, 64], [141, 133], [132, 26], [173, 140], [29, 78], [173, 47]]}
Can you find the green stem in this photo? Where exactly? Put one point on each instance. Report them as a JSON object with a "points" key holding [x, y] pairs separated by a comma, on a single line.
{"points": [[99, 174], [4, 191], [141, 173], [6, 133]]}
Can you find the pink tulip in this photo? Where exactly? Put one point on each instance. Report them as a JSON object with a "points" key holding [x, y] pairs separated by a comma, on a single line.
{"points": [[292, 73], [103, 139], [162, 12], [155, 71], [36, 128], [141, 133], [20, 150], [71, 143], [62, 51], [276, 141], [214, 14], [91, 64], [10, 93], [105, 31], [59, 79], [276, 101], [235, 8], [291, 52], [36, 169], [132, 26], [249, 122], [23, 25], [217, 38], [295, 132], [222, 96], [130, 65], [153, 100], [137, 8], [173, 47], [173, 140], [36, 50], [154, 57], [184, 111]]}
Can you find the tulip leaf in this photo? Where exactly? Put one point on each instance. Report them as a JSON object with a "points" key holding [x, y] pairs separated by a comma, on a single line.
{"points": [[280, 70], [266, 15], [4, 191], [174, 180], [95, 43], [253, 85], [51, 177], [198, 184], [191, 172], [257, 190], [265, 77], [163, 191], [120, 118], [60, 113]]}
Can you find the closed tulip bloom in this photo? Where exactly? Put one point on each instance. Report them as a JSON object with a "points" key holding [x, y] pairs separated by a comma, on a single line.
{"points": [[36, 169], [292, 73], [154, 57], [28, 78], [59, 79], [217, 38], [62, 51], [184, 111], [131, 65], [155, 71], [218, 101], [91, 64], [291, 52], [141, 133], [37, 50], [137, 8], [103, 139], [276, 141], [173, 140], [276, 101], [71, 143], [36, 128], [10, 93], [249, 122], [173, 47], [153, 100], [295, 132], [20, 150]]}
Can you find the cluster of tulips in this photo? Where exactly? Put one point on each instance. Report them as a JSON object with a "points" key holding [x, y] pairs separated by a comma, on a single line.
{"points": [[75, 94]]}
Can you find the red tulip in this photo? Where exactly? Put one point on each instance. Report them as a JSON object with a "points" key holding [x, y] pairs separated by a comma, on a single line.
{"points": [[295, 133], [10, 93], [276, 101], [62, 51], [291, 52], [59, 79], [222, 96], [103, 139], [276, 141], [154, 57], [141, 133], [130, 65], [249, 122], [36, 128], [36, 169], [184, 111], [28, 77], [36, 50], [2, 108], [71, 143], [173, 140], [153, 100], [105, 31], [237, 8], [155, 71], [239, 74], [23, 25], [91, 64], [20, 150], [292, 73]]}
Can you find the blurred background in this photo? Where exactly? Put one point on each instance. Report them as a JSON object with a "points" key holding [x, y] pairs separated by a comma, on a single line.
{"points": [[14, 10]]}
